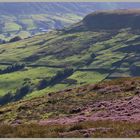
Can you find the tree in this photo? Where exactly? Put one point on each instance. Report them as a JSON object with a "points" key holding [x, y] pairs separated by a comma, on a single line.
{"points": [[6, 98], [12, 68], [42, 84], [17, 38], [22, 92]]}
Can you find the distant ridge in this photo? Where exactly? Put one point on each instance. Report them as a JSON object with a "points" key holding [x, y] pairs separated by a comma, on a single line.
{"points": [[113, 19]]}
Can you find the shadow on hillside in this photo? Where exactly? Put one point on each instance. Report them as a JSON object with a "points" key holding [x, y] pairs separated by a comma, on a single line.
{"points": [[20, 93]]}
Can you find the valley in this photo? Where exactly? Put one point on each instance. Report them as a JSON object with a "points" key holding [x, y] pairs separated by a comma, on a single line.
{"points": [[78, 81], [29, 19]]}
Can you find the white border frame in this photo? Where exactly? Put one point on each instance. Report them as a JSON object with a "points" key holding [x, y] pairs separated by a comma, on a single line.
{"points": [[69, 0]]}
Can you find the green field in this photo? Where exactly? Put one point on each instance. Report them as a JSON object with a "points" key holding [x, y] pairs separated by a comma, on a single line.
{"points": [[94, 55], [66, 50], [11, 81]]}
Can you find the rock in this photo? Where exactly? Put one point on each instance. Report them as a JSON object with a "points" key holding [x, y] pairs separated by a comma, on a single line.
{"points": [[130, 102], [17, 122], [128, 114], [137, 92], [49, 101], [81, 119], [82, 113], [128, 98], [1, 112], [23, 107], [76, 110], [120, 109], [86, 135], [67, 90], [49, 94]]}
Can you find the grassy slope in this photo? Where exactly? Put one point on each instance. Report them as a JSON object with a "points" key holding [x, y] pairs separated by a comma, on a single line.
{"points": [[19, 78], [72, 50], [94, 54]]}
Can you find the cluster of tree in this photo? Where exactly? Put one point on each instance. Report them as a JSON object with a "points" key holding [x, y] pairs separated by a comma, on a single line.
{"points": [[90, 59], [61, 75], [28, 88], [19, 94], [22, 92], [14, 39], [69, 81], [12, 68], [2, 41]]}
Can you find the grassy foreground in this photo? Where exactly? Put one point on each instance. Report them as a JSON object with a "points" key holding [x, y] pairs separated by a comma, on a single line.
{"points": [[96, 129], [107, 109]]}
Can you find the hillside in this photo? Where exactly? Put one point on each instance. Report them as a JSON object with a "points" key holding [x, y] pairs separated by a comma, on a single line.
{"points": [[107, 109], [81, 81], [75, 56], [94, 54], [111, 20]]}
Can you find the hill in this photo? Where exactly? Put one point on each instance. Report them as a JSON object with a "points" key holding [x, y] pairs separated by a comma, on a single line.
{"points": [[107, 109], [110, 20]]}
